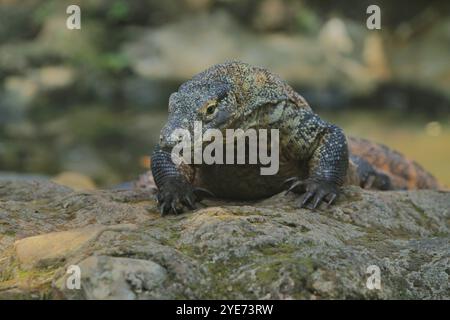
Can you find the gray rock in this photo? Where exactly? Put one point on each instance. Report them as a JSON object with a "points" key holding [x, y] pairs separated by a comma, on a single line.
{"points": [[113, 278], [268, 249]]}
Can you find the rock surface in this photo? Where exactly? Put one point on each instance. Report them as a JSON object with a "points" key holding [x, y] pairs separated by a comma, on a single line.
{"points": [[264, 250]]}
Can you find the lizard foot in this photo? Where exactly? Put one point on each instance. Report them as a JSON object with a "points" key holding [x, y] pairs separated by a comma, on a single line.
{"points": [[177, 194], [313, 191]]}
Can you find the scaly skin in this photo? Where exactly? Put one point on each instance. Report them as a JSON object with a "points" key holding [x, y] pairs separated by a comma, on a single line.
{"points": [[314, 155], [390, 166]]}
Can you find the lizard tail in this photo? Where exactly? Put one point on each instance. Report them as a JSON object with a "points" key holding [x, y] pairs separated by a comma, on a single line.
{"points": [[403, 172]]}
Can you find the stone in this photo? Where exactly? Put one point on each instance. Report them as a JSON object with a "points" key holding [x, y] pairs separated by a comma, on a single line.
{"points": [[74, 180], [268, 249], [115, 278], [53, 248]]}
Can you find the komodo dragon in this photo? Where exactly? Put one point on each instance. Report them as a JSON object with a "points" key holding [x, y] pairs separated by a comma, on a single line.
{"points": [[315, 157]]}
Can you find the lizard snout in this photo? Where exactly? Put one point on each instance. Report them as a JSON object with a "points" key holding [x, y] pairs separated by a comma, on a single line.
{"points": [[169, 138]]}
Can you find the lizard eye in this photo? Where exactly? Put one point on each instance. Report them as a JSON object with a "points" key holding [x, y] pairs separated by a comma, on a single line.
{"points": [[210, 109]]}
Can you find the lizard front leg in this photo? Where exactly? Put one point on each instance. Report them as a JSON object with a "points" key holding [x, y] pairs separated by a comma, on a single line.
{"points": [[327, 161], [174, 190]]}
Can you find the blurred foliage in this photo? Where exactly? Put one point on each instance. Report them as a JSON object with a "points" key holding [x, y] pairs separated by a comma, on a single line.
{"points": [[119, 11], [74, 100]]}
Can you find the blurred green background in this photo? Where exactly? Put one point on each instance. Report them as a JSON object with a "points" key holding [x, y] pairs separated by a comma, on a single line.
{"points": [[86, 106]]}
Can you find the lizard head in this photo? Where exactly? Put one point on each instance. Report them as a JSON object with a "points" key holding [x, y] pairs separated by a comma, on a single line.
{"points": [[211, 103], [223, 97]]}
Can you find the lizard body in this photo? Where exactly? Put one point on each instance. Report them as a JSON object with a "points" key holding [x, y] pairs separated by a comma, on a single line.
{"points": [[315, 157]]}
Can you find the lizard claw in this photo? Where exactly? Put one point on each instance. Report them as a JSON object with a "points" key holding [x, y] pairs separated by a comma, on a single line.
{"points": [[174, 208], [330, 198], [315, 191], [318, 191], [304, 198], [162, 209], [296, 182], [190, 203], [290, 180], [293, 186], [201, 192], [176, 194]]}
